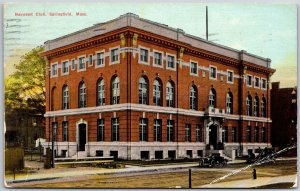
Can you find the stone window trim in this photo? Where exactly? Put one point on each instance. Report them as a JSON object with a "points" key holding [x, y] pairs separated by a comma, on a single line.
{"points": [[118, 53], [73, 66], [90, 62], [141, 61], [175, 61], [191, 73], [216, 73], [78, 64], [263, 79], [62, 67], [251, 81], [96, 58], [162, 59], [54, 74], [228, 81], [256, 77]]}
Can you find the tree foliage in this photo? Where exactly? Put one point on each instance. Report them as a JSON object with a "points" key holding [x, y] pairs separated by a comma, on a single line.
{"points": [[25, 88]]}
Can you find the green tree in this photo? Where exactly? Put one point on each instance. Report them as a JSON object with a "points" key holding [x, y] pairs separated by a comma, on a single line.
{"points": [[25, 99], [25, 88]]}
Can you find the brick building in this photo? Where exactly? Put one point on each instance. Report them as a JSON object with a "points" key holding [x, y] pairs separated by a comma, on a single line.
{"points": [[283, 115], [136, 89]]}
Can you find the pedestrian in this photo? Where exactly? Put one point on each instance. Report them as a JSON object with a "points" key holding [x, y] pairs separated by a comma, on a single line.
{"points": [[254, 173]]}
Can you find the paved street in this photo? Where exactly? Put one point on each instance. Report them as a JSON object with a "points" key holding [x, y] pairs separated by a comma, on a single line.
{"points": [[63, 174]]}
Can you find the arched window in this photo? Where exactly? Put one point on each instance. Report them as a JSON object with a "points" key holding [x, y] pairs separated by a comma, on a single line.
{"points": [[115, 88], [256, 106], [100, 92], [193, 97], [229, 103], [157, 93], [143, 91], [249, 105], [65, 98], [263, 107], [212, 98], [82, 95], [170, 95]]}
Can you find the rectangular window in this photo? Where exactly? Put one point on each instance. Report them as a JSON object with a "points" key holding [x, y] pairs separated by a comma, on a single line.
{"points": [[256, 82], [170, 130], [114, 55], [81, 63], [157, 58], [249, 80], [229, 76], [54, 70], [263, 84], [144, 55], [65, 67], [143, 129], [65, 131], [249, 134], [233, 134], [171, 62], [157, 130], [225, 139], [199, 135], [263, 134], [188, 132], [90, 60], [115, 129], [193, 68], [256, 134], [213, 72], [73, 64], [100, 59], [100, 130]]}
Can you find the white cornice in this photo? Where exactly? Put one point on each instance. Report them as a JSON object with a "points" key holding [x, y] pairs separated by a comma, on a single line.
{"points": [[148, 108]]}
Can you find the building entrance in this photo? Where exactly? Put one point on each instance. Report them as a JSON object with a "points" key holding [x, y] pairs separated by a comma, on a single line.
{"points": [[213, 136], [82, 137]]}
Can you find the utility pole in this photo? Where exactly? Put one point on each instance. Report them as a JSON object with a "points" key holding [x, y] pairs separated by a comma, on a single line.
{"points": [[206, 23]]}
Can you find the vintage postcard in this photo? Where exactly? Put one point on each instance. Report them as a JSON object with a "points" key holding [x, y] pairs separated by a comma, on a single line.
{"points": [[150, 95]]}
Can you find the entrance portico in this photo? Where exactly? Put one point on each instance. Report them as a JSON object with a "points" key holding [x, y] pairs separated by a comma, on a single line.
{"points": [[213, 132]]}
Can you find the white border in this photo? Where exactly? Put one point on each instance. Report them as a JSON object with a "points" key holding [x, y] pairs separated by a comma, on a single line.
{"points": [[230, 82], [118, 51], [53, 76], [175, 62], [211, 78], [262, 83], [250, 80], [139, 51], [258, 82], [193, 74], [96, 59], [84, 69], [162, 59], [62, 66]]}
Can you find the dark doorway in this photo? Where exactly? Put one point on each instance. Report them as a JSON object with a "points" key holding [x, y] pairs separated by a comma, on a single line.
{"points": [[213, 136], [82, 137], [189, 154]]}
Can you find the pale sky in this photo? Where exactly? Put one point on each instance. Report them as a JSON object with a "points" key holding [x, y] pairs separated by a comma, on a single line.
{"points": [[267, 30]]}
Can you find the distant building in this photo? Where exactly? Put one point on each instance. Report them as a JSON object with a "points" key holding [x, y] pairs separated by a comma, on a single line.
{"points": [[284, 115], [136, 89]]}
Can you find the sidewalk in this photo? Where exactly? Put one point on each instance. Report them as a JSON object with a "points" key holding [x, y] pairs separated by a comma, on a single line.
{"points": [[49, 174], [251, 183]]}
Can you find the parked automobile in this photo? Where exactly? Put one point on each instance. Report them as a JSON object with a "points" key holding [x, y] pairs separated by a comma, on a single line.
{"points": [[214, 160]]}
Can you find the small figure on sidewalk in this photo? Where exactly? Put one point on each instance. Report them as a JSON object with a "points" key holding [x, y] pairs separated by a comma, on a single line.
{"points": [[254, 173]]}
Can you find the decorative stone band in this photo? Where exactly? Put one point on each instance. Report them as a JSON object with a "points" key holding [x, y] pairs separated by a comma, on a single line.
{"points": [[150, 108]]}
